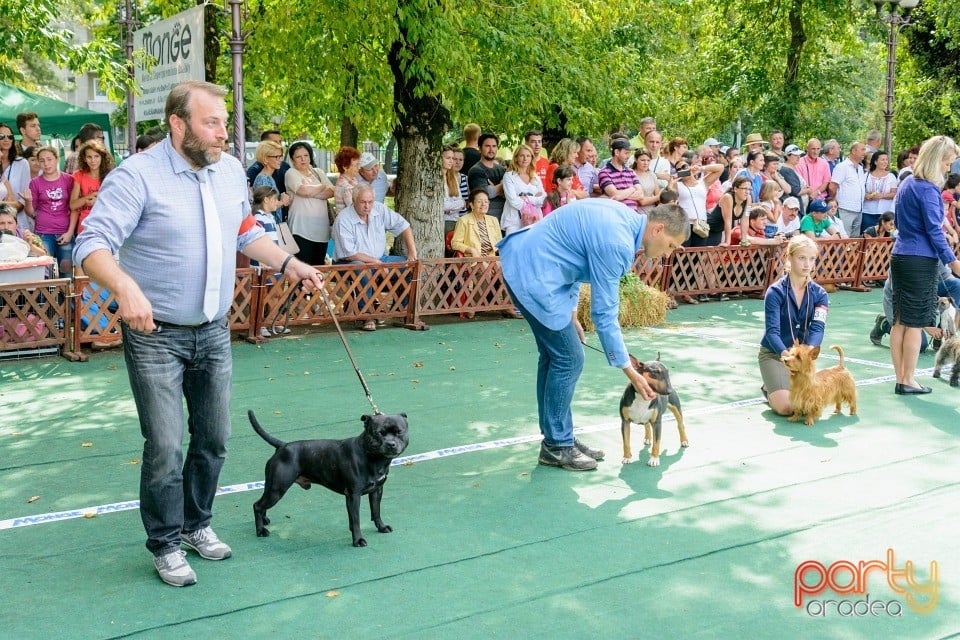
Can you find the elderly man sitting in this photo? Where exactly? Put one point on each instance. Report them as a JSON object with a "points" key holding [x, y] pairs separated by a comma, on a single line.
{"points": [[360, 236]]}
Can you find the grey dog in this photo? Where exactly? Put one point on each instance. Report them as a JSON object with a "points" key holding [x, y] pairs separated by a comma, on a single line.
{"points": [[949, 352], [353, 467]]}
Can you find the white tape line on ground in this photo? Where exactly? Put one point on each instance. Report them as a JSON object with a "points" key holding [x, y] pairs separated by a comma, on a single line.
{"points": [[117, 507]]}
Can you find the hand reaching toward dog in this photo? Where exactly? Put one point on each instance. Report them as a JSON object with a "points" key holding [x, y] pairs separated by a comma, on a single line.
{"points": [[640, 383]]}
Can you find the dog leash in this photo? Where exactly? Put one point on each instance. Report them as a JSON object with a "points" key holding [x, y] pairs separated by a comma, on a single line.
{"points": [[592, 347], [285, 311]]}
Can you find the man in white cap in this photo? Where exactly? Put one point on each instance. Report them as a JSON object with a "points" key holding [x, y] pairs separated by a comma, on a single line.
{"points": [[789, 222], [799, 189], [714, 144], [371, 174]]}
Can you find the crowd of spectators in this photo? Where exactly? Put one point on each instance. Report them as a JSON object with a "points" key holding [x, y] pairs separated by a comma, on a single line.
{"points": [[761, 193]]}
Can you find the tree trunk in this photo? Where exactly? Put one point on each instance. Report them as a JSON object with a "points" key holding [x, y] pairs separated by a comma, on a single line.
{"points": [[213, 21], [552, 135], [791, 90], [349, 136], [422, 119]]}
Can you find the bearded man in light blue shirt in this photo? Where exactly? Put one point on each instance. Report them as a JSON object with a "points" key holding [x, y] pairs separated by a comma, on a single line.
{"points": [[177, 214], [594, 241]]}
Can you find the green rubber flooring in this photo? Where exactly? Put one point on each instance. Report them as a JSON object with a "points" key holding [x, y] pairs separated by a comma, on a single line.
{"points": [[487, 544]]}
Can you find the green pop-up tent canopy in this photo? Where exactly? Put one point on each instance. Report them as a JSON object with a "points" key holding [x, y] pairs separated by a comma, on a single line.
{"points": [[60, 119]]}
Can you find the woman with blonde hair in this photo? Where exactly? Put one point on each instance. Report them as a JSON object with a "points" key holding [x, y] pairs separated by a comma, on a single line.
{"points": [[795, 310], [521, 187], [919, 246], [453, 203], [770, 193], [269, 153], [565, 154]]}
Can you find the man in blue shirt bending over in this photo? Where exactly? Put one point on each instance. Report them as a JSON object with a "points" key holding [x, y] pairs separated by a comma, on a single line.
{"points": [[593, 241]]}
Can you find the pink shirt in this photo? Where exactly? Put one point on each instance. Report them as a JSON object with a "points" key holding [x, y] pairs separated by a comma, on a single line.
{"points": [[51, 201], [815, 173]]}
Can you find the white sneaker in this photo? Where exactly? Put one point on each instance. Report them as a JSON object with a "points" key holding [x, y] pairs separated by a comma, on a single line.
{"points": [[174, 568], [265, 333], [206, 543]]}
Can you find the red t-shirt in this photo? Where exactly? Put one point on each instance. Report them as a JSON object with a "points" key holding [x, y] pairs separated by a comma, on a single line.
{"points": [[88, 184], [541, 166], [576, 185]]}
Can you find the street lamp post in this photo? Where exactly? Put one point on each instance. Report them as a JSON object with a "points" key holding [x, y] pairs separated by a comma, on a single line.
{"points": [[127, 18], [238, 39], [897, 15]]}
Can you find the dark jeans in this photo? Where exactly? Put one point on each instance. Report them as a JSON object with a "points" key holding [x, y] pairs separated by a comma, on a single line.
{"points": [[164, 367], [559, 368]]}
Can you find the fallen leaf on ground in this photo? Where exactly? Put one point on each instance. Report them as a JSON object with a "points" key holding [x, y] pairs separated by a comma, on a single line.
{"points": [[89, 515], [86, 444], [33, 499], [332, 594], [453, 368], [418, 364]]}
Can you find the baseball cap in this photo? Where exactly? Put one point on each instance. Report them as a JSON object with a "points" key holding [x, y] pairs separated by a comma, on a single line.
{"points": [[792, 203], [793, 150], [368, 161], [620, 144], [818, 206], [724, 149], [711, 142]]}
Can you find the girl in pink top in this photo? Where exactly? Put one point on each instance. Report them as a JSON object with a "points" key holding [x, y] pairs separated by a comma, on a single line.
{"points": [[563, 190], [47, 201]]}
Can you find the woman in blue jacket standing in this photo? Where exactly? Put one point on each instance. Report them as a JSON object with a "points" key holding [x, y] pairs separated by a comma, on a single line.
{"points": [[919, 245]]}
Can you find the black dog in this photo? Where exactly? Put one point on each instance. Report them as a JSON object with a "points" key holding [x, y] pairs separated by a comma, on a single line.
{"points": [[633, 408], [353, 467]]}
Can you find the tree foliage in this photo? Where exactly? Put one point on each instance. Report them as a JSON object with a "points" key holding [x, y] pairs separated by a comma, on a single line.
{"points": [[33, 36], [337, 70], [928, 82]]}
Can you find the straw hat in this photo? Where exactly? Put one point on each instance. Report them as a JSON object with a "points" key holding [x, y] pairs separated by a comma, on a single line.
{"points": [[754, 138]]}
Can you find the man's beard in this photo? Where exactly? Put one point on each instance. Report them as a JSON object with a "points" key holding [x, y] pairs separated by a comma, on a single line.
{"points": [[197, 151]]}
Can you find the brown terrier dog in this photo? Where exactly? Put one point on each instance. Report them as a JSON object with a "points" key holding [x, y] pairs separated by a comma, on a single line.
{"points": [[811, 390]]}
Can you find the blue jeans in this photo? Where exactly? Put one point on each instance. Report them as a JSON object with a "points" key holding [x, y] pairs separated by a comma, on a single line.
{"points": [[58, 252], [559, 368], [165, 366]]}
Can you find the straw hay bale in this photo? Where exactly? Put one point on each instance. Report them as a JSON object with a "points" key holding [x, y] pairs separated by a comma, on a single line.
{"points": [[640, 305]]}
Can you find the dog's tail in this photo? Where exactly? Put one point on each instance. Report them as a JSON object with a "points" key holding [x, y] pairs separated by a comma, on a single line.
{"points": [[840, 351], [263, 434]]}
